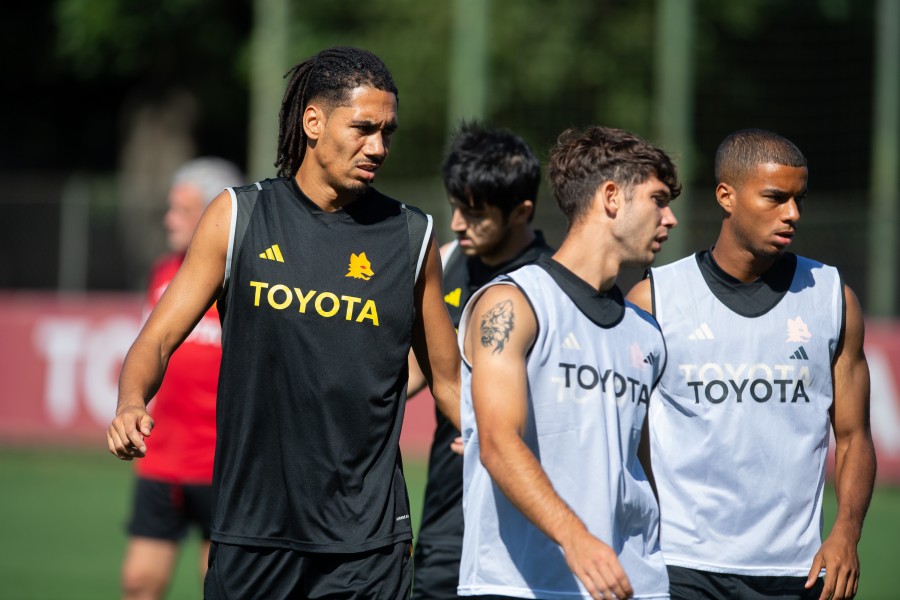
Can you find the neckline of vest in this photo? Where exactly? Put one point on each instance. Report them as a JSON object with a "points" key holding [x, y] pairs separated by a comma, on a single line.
{"points": [[752, 299], [347, 209], [605, 309]]}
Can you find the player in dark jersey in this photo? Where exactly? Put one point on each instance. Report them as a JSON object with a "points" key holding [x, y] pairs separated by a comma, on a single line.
{"points": [[323, 284], [173, 488], [765, 361], [492, 178]]}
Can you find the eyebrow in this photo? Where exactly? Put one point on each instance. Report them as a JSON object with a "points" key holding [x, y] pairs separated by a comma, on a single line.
{"points": [[782, 192], [392, 125]]}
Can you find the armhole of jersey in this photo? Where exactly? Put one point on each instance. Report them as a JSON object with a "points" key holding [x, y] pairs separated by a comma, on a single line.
{"points": [[424, 247], [537, 321], [652, 316], [842, 315], [230, 235], [448, 253], [652, 294], [665, 362], [419, 237], [240, 217]]}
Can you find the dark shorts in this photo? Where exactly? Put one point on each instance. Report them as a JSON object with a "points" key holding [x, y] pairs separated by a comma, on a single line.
{"points": [[165, 511], [692, 584], [248, 572], [436, 570]]}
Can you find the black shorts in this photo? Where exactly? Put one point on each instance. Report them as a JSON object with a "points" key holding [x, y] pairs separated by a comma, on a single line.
{"points": [[165, 511], [248, 572], [693, 584], [436, 572]]}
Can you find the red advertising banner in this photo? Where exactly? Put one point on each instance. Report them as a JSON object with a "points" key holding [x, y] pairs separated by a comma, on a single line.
{"points": [[883, 355], [60, 358], [59, 363]]}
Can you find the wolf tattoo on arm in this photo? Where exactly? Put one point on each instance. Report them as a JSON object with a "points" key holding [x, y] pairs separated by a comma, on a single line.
{"points": [[496, 325]]}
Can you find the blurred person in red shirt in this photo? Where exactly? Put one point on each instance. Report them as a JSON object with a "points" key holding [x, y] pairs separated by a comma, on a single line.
{"points": [[173, 488]]}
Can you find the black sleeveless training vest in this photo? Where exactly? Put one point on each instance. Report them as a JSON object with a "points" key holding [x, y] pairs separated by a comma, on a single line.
{"points": [[317, 317]]}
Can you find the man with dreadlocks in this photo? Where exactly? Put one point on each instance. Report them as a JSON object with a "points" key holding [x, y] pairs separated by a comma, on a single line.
{"points": [[323, 285]]}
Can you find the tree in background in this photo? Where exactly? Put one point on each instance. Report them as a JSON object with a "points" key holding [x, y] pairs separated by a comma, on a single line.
{"points": [[180, 62], [802, 68]]}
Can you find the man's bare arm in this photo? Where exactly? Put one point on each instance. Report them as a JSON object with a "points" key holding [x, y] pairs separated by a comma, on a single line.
{"points": [[434, 339], [854, 474], [416, 382], [641, 295], [185, 301], [501, 331]]}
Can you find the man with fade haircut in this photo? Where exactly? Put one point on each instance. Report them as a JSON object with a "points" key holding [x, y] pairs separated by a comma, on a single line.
{"points": [[765, 359], [491, 177], [557, 374], [323, 284], [173, 487]]}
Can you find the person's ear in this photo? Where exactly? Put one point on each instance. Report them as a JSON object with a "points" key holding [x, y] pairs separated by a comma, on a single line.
{"points": [[610, 196], [521, 213], [314, 121], [725, 196]]}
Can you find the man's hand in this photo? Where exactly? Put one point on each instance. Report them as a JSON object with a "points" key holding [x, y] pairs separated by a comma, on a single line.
{"points": [[598, 567], [126, 433], [841, 562]]}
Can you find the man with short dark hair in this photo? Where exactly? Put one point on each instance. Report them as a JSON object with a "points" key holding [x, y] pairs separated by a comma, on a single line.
{"points": [[324, 284], [765, 359], [557, 375], [492, 177]]}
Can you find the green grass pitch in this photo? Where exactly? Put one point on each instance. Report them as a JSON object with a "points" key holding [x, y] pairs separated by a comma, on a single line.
{"points": [[62, 518]]}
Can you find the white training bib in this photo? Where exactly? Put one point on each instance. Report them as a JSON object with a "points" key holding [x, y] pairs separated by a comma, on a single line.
{"points": [[589, 387], [739, 424]]}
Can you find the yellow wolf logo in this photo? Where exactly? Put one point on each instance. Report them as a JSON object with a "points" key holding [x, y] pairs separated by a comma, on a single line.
{"points": [[360, 267]]}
